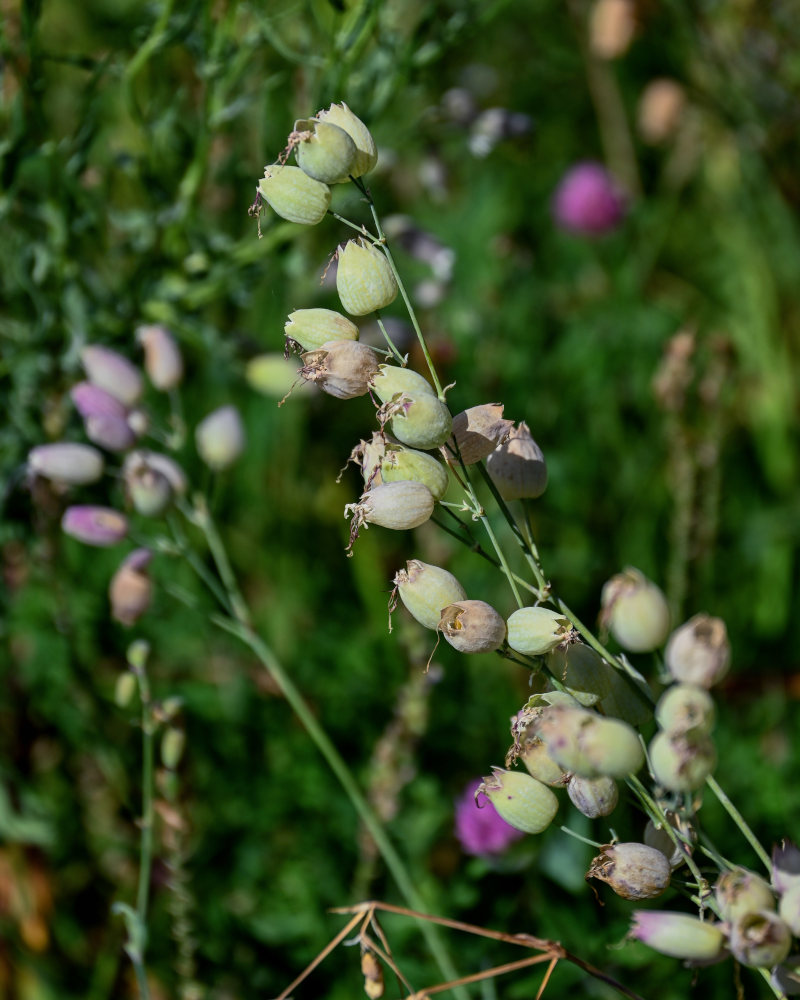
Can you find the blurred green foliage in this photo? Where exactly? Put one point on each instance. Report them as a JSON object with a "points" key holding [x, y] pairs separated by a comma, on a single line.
{"points": [[131, 139]]}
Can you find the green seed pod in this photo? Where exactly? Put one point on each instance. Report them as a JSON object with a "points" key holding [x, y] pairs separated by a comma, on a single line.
{"points": [[517, 466], [681, 764], [678, 935], [66, 464], [684, 709], [366, 153], [220, 438], [535, 631], [584, 672], [311, 328], [148, 490], [472, 627], [657, 836], [559, 726], [399, 463], [173, 743], [593, 796], [342, 368], [293, 195], [274, 375], [392, 379], [125, 689], [699, 652], [740, 891], [635, 611], [364, 278], [789, 909], [392, 505], [420, 421], [425, 589], [324, 151], [759, 940], [540, 765], [611, 748], [522, 801], [634, 871], [479, 430]]}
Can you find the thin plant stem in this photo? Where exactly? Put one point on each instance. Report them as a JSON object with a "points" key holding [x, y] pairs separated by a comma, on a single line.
{"points": [[577, 836], [201, 515], [148, 727], [399, 357], [739, 820], [354, 225]]}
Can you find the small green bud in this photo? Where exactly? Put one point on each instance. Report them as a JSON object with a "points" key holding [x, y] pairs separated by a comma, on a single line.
{"points": [[535, 631], [699, 652], [311, 328], [324, 151], [390, 380], [634, 871], [366, 153], [685, 709], [479, 430], [759, 940], [125, 689], [364, 278], [678, 935], [220, 438], [522, 801], [540, 765], [739, 891], [593, 796], [681, 764], [399, 506], [425, 590], [635, 611], [342, 368], [584, 672], [293, 195], [421, 420], [517, 466], [138, 654], [472, 627], [173, 743]]}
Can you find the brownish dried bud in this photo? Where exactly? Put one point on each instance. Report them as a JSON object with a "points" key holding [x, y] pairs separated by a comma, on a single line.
{"points": [[472, 627], [681, 763], [699, 652], [593, 796], [342, 368], [131, 589], [479, 430], [661, 107], [612, 25], [517, 466], [634, 871]]}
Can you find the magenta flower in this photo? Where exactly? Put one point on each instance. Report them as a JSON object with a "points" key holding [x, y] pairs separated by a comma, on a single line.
{"points": [[588, 200], [479, 828]]}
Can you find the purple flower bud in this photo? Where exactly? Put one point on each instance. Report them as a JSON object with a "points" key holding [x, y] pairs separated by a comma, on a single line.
{"points": [[112, 372], [162, 358], [480, 829], [105, 417], [99, 526], [678, 935], [588, 201]]}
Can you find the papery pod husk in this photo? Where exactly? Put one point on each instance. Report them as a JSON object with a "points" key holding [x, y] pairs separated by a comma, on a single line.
{"points": [[472, 627], [534, 631], [698, 652], [426, 589], [759, 939], [593, 797], [421, 422], [786, 976], [390, 380], [739, 891], [517, 466], [324, 151], [679, 763], [685, 709], [584, 673], [634, 871], [479, 430], [342, 368], [293, 195], [130, 590], [522, 801], [365, 281], [366, 153], [311, 328], [626, 699]]}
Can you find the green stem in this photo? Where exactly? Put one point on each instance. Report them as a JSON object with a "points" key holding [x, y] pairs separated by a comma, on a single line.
{"points": [[201, 516], [353, 225], [739, 820], [148, 727], [583, 840], [399, 357], [475, 547]]}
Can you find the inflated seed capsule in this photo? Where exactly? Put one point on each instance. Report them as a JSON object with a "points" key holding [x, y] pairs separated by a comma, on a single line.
{"points": [[324, 151], [112, 372], [588, 744], [148, 490], [699, 652], [391, 505], [681, 764], [389, 380], [678, 935], [789, 909], [342, 368], [220, 437], [425, 589], [522, 801], [66, 463], [101, 526], [399, 463], [364, 278], [634, 871], [311, 328], [162, 357], [635, 611], [535, 631], [539, 764], [366, 153], [759, 940], [581, 670], [593, 796], [293, 195], [173, 743], [472, 627], [142, 459], [685, 708], [739, 891], [517, 466], [479, 430], [421, 420]]}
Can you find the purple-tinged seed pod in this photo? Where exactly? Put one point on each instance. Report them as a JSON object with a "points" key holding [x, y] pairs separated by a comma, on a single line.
{"points": [[389, 380], [111, 371], [66, 464], [789, 909], [399, 506], [324, 151], [634, 871], [100, 526], [536, 630], [472, 627], [678, 935], [785, 866], [105, 417], [148, 490], [699, 652], [593, 796], [342, 368], [479, 430], [366, 153], [131, 589], [517, 466], [425, 589], [739, 891], [522, 801], [311, 328], [220, 437], [680, 763], [685, 709], [589, 744], [635, 611], [657, 836], [364, 278], [759, 940], [293, 195], [162, 357]]}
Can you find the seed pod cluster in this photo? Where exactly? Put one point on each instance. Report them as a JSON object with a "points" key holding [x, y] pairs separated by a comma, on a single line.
{"points": [[682, 753], [588, 744]]}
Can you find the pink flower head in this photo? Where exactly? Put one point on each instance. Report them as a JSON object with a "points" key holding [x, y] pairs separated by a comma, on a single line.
{"points": [[588, 200], [479, 828]]}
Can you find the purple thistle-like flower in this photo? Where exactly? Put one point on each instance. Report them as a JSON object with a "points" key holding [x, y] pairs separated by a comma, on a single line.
{"points": [[588, 200], [478, 827]]}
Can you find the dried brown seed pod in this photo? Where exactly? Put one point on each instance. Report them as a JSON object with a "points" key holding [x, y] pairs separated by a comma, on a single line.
{"points": [[479, 430], [472, 627], [634, 871]]}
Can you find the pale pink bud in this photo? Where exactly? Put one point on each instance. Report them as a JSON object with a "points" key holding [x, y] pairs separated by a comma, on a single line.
{"points": [[699, 652], [66, 463], [678, 935], [162, 357], [588, 201], [112, 372], [220, 437], [99, 526], [131, 589], [105, 417]]}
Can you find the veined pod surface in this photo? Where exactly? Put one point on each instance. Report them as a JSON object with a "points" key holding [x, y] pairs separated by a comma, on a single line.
{"points": [[739, 891], [593, 796], [392, 379], [391, 505], [522, 801], [472, 627], [685, 709], [679, 763], [421, 421], [678, 935], [364, 278], [342, 368], [324, 151], [399, 463], [425, 590], [699, 652], [293, 195], [535, 631], [311, 328], [634, 871], [366, 153]]}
